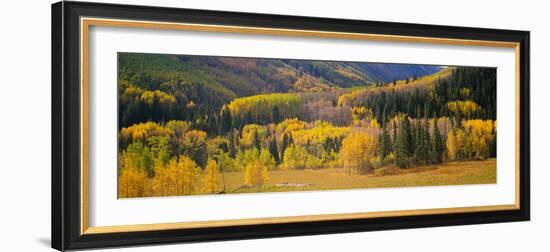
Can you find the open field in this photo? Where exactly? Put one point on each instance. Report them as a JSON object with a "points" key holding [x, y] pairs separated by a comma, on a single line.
{"points": [[454, 173]]}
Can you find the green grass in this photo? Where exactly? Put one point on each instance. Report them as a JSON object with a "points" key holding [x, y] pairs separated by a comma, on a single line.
{"points": [[454, 173]]}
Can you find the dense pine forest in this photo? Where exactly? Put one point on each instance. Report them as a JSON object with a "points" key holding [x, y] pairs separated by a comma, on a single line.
{"points": [[203, 125]]}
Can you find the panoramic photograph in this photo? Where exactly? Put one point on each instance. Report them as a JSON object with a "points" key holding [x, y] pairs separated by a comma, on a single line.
{"points": [[198, 125]]}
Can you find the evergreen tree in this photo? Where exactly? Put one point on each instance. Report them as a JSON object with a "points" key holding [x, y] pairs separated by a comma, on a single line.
{"points": [[427, 110], [247, 119], [257, 143], [379, 114], [225, 120], [410, 135], [285, 145], [233, 142], [275, 115], [274, 150], [394, 136], [384, 115], [425, 143], [437, 144], [417, 141], [402, 146], [212, 124], [410, 109], [384, 141]]}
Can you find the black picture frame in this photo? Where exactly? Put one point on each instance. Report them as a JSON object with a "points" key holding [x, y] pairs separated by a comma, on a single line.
{"points": [[66, 114]]}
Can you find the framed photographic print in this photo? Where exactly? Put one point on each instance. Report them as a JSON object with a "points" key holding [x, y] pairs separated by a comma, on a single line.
{"points": [[179, 125]]}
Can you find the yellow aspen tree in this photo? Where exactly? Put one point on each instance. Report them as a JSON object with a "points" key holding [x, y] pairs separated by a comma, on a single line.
{"points": [[255, 174], [132, 177], [211, 177], [464, 108], [132, 183], [295, 158], [482, 133], [358, 149], [176, 178], [186, 171], [289, 158], [161, 181], [251, 130], [451, 146], [141, 131], [460, 144], [290, 125], [468, 147]]}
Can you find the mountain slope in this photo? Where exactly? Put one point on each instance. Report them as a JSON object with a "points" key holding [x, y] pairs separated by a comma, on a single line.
{"points": [[390, 72], [248, 76], [194, 88]]}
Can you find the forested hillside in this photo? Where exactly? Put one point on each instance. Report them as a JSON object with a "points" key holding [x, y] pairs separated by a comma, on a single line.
{"points": [[196, 125], [182, 87]]}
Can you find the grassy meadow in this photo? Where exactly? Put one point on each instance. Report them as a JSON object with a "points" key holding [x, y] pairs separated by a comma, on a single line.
{"points": [[452, 173]]}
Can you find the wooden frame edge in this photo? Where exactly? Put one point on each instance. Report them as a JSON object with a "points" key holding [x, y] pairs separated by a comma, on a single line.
{"points": [[57, 194], [289, 219], [86, 22]]}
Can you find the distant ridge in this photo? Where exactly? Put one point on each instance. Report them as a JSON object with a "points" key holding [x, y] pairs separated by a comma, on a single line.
{"points": [[236, 76]]}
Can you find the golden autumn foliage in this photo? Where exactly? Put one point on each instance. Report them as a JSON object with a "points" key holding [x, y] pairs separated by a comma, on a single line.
{"points": [[361, 113], [195, 135], [142, 131], [319, 133], [465, 109], [130, 92], [452, 148], [132, 183], [358, 151], [133, 172], [256, 174], [290, 125], [482, 133], [192, 132], [136, 156], [295, 158], [249, 131], [195, 125], [178, 128], [474, 140], [309, 84], [243, 158], [177, 178], [256, 166], [424, 83], [465, 93], [149, 97], [211, 177], [259, 107], [267, 159]]}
